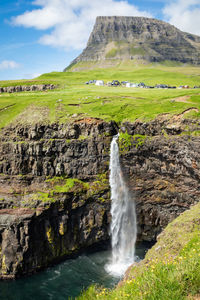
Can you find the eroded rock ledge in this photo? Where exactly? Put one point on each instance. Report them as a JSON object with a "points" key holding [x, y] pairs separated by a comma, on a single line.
{"points": [[54, 191], [27, 88]]}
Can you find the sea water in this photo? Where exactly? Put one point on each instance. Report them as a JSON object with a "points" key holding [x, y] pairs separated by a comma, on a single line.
{"points": [[65, 280]]}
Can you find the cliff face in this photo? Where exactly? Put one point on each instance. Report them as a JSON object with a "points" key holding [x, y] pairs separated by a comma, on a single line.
{"points": [[132, 38], [34, 238], [27, 88], [54, 192], [161, 163], [76, 149], [45, 216]]}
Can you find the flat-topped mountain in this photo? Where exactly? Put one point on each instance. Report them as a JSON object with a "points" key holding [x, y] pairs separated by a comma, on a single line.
{"points": [[138, 38]]}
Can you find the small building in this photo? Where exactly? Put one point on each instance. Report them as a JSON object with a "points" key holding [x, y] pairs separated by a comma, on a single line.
{"points": [[141, 85], [99, 83], [134, 85], [129, 84], [161, 86], [123, 83], [115, 83]]}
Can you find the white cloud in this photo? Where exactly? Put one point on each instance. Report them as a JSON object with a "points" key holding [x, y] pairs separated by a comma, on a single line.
{"points": [[8, 64], [71, 21], [184, 14]]}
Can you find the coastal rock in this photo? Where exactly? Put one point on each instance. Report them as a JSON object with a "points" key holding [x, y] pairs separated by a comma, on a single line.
{"points": [[32, 239], [54, 191], [163, 174], [77, 149], [27, 88]]}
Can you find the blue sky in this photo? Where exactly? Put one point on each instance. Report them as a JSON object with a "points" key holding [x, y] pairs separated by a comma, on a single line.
{"points": [[41, 36]]}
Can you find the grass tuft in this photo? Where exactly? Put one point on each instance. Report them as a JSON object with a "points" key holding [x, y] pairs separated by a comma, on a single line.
{"points": [[170, 270]]}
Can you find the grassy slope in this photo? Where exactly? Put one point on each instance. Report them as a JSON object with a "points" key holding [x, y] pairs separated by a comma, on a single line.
{"points": [[172, 273], [108, 103], [170, 270]]}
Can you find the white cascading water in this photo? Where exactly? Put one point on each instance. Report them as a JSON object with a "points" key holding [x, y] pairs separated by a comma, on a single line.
{"points": [[123, 224]]}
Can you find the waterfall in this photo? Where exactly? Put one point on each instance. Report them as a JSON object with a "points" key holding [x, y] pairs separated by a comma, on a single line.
{"points": [[123, 224]]}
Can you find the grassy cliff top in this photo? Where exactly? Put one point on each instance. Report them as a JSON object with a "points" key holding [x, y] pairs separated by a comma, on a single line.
{"points": [[73, 99], [170, 270]]}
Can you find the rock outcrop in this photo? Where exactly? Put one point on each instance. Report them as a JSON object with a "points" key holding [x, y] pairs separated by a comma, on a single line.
{"points": [[27, 88], [161, 162], [45, 216], [54, 190], [34, 238], [138, 38]]}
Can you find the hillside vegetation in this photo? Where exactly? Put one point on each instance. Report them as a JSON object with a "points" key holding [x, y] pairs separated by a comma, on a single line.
{"points": [[74, 100], [170, 270]]}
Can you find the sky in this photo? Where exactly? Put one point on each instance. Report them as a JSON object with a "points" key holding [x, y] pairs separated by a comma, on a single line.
{"points": [[41, 36]]}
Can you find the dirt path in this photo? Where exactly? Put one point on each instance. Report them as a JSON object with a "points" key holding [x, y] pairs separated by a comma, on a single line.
{"points": [[182, 99]]}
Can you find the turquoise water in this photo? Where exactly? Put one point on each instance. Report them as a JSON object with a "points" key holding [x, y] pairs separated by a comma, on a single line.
{"points": [[65, 280]]}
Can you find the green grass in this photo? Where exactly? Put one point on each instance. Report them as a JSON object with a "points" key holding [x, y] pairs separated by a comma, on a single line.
{"points": [[170, 270], [64, 185], [5, 83], [61, 184], [108, 103], [126, 141], [112, 53], [137, 51]]}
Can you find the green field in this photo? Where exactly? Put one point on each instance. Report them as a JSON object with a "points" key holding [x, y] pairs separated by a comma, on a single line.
{"points": [[74, 100]]}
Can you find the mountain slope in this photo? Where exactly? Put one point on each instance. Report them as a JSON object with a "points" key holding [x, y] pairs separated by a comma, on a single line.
{"points": [[138, 38]]}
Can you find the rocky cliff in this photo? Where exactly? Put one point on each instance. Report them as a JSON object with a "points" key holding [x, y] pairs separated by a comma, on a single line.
{"points": [[54, 192], [27, 88], [54, 195], [138, 38]]}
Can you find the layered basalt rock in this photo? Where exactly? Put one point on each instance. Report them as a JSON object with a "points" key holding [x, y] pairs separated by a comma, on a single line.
{"points": [[164, 176], [161, 163], [27, 88], [36, 237], [44, 217], [78, 149], [129, 38], [54, 192]]}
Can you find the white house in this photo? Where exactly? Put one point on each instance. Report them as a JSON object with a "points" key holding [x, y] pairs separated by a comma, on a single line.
{"points": [[129, 84], [99, 82]]}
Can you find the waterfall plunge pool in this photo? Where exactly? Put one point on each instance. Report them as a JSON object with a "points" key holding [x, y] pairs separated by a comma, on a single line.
{"points": [[104, 268], [65, 280]]}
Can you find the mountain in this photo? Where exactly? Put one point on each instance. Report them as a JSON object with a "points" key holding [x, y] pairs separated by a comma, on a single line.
{"points": [[138, 38]]}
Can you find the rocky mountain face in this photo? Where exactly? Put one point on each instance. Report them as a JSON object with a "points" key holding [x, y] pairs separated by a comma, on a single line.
{"points": [[138, 38], [54, 189]]}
